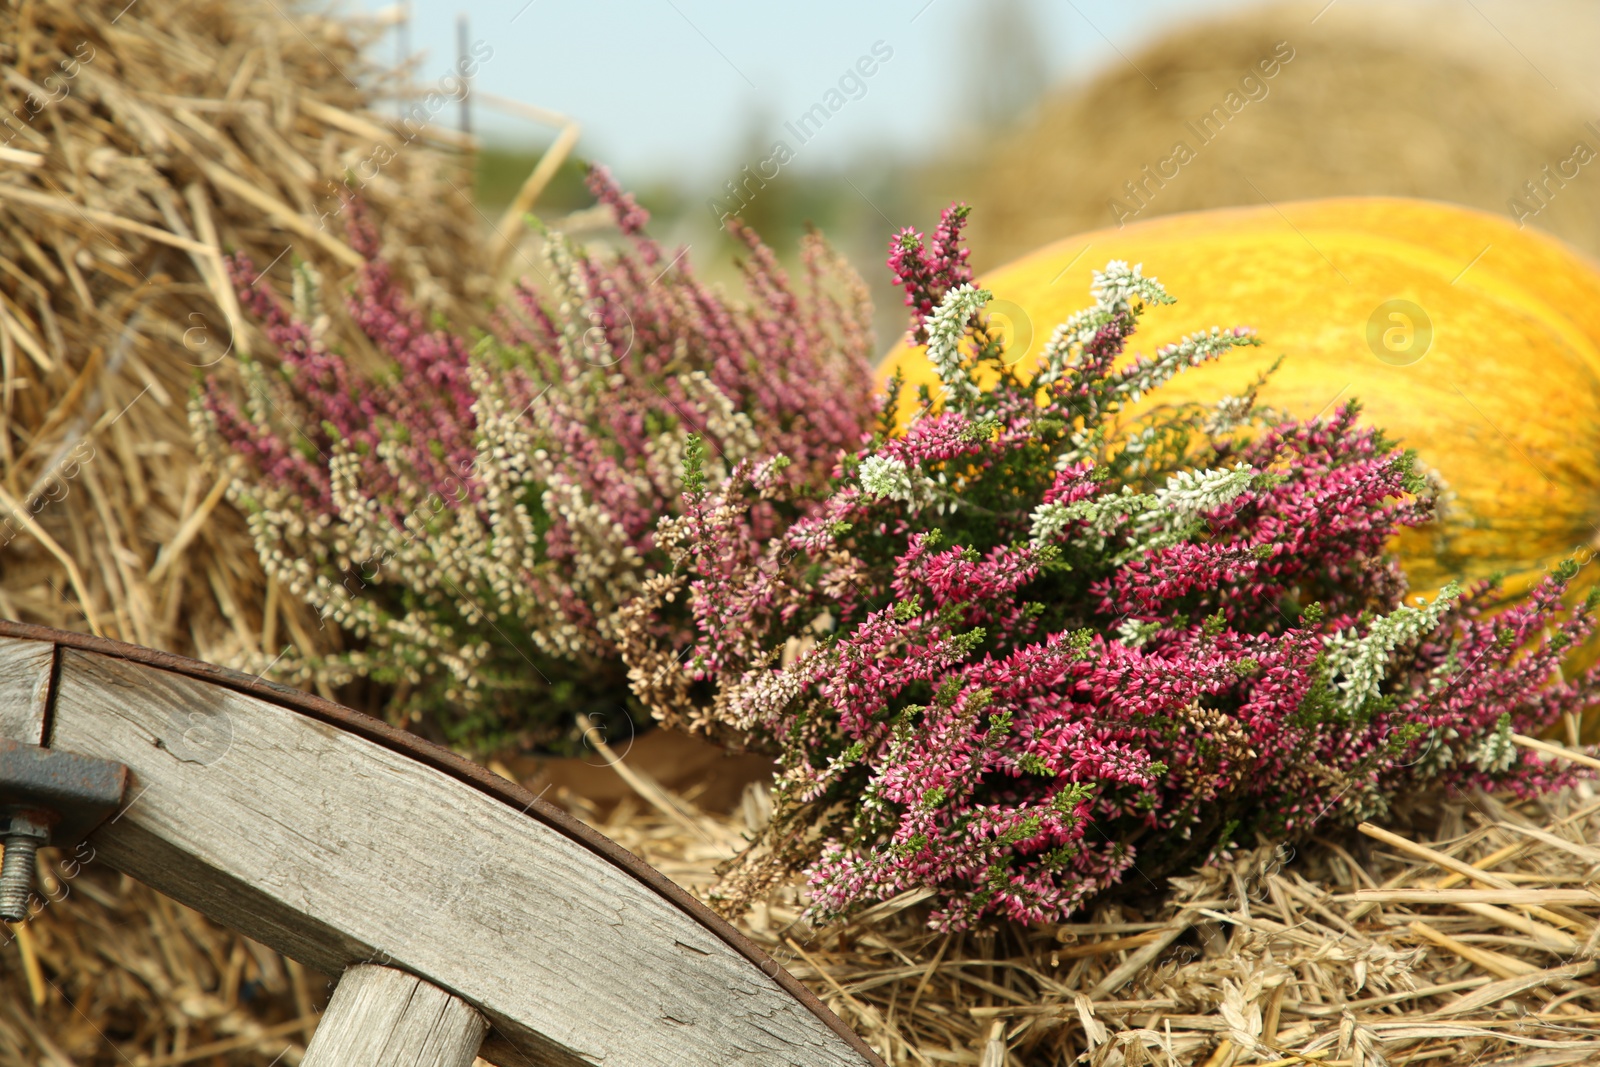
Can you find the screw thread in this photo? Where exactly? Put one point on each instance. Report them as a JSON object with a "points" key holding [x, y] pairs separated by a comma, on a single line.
{"points": [[16, 877]]}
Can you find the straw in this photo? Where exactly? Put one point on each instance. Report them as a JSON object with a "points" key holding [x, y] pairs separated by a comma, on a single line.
{"points": [[171, 134]]}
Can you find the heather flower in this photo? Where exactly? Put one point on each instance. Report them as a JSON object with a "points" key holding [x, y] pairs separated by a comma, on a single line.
{"points": [[946, 330], [1360, 658], [927, 271], [475, 513], [886, 476], [1188, 494], [1050, 633]]}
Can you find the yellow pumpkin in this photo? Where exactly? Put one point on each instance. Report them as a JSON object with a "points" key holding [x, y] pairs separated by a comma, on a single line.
{"points": [[1491, 370]]}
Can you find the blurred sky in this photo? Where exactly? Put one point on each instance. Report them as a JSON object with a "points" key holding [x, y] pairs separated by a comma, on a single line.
{"points": [[682, 87]]}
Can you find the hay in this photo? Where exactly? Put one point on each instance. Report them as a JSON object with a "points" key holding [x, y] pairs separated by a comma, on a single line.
{"points": [[166, 135], [1352, 952], [1373, 102], [117, 974], [1271, 957]]}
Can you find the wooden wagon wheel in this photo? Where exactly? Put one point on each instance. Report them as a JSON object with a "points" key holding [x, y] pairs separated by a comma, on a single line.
{"points": [[453, 902]]}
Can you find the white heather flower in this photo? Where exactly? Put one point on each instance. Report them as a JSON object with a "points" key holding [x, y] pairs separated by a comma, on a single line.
{"points": [[1048, 521], [1496, 752], [1053, 358], [1188, 494], [1134, 634], [723, 420], [1434, 752], [1066, 353], [946, 328], [1228, 414], [760, 696], [307, 298], [1102, 514], [502, 469], [581, 341], [1119, 285], [1362, 663], [885, 476], [1191, 351]]}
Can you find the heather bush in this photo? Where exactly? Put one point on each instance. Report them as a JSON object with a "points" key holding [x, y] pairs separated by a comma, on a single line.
{"points": [[1051, 636], [472, 513]]}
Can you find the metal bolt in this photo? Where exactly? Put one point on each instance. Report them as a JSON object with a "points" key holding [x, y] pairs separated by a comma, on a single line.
{"points": [[47, 796], [22, 844]]}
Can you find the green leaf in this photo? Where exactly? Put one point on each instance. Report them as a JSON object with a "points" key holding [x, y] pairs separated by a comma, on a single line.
{"points": [[694, 455]]}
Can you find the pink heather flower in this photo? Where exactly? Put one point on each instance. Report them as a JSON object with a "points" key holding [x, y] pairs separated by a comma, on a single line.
{"points": [[928, 270], [476, 513], [1040, 639]]}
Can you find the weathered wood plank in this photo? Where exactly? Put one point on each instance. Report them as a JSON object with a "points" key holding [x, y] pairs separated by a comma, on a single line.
{"points": [[24, 688], [336, 851], [381, 1017]]}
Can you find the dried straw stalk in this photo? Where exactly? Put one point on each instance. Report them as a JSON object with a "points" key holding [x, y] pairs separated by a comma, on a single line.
{"points": [[112, 973]]}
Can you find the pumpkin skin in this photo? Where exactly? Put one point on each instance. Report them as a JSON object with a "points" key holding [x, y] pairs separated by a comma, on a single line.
{"points": [[1504, 404]]}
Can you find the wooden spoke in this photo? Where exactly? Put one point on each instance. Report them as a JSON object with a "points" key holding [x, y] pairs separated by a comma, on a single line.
{"points": [[381, 1017]]}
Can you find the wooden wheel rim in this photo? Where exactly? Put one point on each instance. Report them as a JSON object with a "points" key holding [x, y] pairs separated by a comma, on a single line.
{"points": [[38, 706]]}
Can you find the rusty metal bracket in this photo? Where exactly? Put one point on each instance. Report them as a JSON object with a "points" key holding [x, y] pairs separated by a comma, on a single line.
{"points": [[48, 797]]}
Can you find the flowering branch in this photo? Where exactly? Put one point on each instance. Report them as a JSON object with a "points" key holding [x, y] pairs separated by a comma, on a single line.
{"points": [[476, 513], [1048, 633]]}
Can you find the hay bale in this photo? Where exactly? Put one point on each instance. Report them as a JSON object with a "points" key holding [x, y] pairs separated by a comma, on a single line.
{"points": [[145, 141], [1369, 103]]}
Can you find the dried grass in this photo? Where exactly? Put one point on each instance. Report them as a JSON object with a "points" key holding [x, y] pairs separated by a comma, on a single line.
{"points": [[113, 973], [1471, 936], [1276, 956], [169, 134]]}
